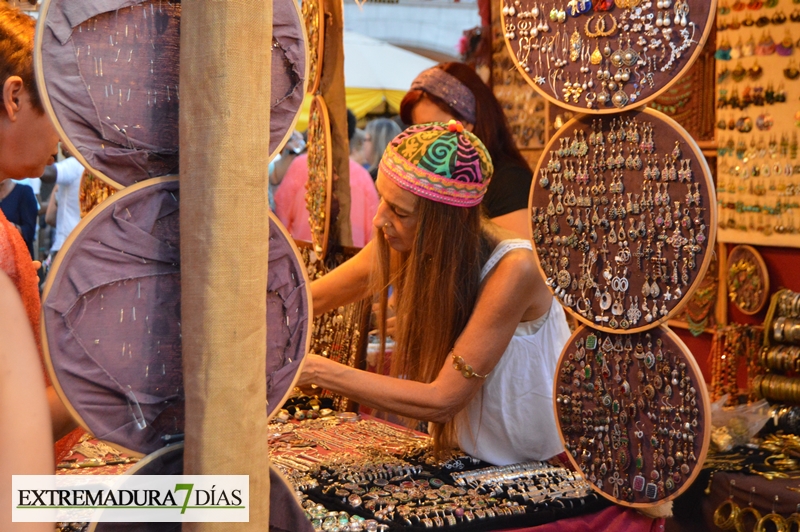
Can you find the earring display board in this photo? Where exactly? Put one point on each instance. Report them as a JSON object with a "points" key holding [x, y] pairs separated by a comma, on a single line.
{"points": [[748, 280], [314, 20], [112, 310], [633, 412], [523, 107], [109, 74], [604, 56], [757, 121], [319, 187], [623, 219], [285, 510]]}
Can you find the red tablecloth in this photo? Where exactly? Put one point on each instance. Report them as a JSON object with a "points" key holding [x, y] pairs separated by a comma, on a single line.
{"points": [[615, 518]]}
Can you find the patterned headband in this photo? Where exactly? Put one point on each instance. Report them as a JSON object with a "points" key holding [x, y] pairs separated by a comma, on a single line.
{"points": [[449, 88], [440, 162]]}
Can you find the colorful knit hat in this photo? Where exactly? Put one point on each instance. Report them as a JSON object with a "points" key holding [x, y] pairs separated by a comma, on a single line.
{"points": [[440, 162]]}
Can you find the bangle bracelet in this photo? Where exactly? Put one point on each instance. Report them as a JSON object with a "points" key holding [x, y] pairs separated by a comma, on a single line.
{"points": [[464, 368], [775, 519], [777, 329], [725, 514], [739, 520]]}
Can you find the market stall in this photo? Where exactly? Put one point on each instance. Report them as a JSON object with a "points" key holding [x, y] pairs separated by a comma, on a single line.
{"points": [[624, 219]]}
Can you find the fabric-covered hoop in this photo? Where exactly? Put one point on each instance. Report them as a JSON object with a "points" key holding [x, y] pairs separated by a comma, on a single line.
{"points": [[109, 74], [112, 315]]}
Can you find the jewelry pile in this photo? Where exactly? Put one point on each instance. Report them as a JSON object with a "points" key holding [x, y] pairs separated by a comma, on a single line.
{"points": [[368, 475]]}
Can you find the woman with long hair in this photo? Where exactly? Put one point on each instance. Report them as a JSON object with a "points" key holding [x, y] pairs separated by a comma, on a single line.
{"points": [[476, 345], [455, 91]]}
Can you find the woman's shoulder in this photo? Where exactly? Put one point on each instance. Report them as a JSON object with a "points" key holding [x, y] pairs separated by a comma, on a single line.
{"points": [[509, 253], [495, 235]]}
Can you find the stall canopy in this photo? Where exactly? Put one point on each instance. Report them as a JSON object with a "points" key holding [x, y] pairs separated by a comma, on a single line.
{"points": [[374, 72]]}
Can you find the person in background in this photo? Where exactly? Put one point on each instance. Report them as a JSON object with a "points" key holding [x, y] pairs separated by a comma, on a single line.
{"points": [[357, 148], [290, 202], [455, 91], [19, 205], [476, 347], [378, 134], [28, 142], [277, 168], [66, 175]]}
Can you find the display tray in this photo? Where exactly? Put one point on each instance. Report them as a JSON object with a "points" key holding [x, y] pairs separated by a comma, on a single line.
{"points": [[623, 219], [109, 76], [633, 413], [112, 310], [382, 475], [603, 56]]}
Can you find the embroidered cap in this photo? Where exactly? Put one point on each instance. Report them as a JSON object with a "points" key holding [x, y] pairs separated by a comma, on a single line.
{"points": [[441, 162]]}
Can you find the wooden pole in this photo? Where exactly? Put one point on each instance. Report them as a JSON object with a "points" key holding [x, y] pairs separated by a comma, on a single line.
{"points": [[224, 132]]}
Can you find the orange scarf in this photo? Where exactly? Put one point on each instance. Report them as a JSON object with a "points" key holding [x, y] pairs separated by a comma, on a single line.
{"points": [[15, 261]]}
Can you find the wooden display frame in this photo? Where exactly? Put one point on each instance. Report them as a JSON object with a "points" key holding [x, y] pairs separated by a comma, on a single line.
{"points": [[108, 179], [749, 252], [320, 175], [662, 80], [703, 405], [110, 203], [313, 13], [667, 132]]}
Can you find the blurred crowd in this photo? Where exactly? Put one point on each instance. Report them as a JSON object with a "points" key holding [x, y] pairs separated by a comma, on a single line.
{"points": [[288, 174]]}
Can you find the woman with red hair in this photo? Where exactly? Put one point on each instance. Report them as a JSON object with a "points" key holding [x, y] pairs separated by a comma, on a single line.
{"points": [[455, 91]]}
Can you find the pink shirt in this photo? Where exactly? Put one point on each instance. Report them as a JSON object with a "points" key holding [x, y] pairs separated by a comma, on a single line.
{"points": [[290, 201]]}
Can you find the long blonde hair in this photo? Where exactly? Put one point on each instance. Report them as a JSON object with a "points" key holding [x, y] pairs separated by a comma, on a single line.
{"points": [[436, 286]]}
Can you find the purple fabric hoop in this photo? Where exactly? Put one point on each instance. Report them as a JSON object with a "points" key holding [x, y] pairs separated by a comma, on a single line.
{"points": [[112, 319], [132, 134]]}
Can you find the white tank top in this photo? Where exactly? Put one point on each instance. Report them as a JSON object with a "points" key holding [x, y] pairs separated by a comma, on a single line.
{"points": [[512, 418]]}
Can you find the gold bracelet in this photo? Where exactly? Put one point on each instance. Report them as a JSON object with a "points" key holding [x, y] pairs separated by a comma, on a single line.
{"points": [[739, 521], [777, 520], [464, 368], [725, 520]]}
